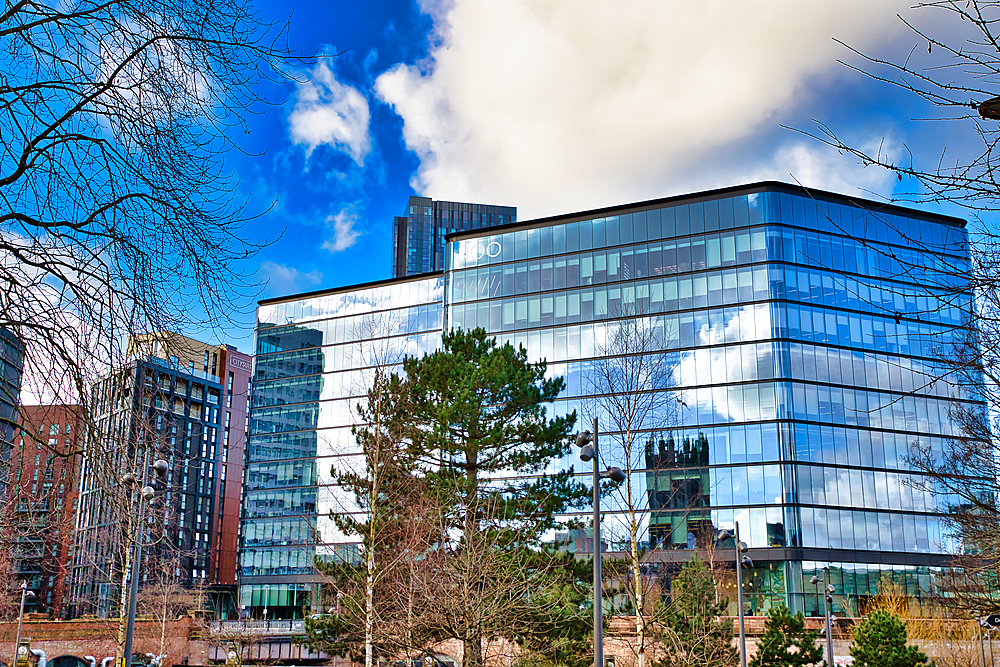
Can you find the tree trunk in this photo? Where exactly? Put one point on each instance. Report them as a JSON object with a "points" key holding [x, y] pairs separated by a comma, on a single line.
{"points": [[370, 605], [473, 650], [637, 584], [123, 606], [163, 621], [638, 594]]}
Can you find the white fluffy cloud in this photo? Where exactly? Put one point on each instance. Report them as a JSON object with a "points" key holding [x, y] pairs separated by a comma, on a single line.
{"points": [[281, 279], [344, 234], [817, 165], [328, 112], [555, 106]]}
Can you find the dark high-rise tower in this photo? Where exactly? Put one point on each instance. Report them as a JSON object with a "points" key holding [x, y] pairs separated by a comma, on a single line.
{"points": [[11, 368], [418, 236], [183, 401]]}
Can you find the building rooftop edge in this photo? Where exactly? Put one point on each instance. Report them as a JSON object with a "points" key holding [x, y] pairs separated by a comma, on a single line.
{"points": [[347, 288], [760, 186]]}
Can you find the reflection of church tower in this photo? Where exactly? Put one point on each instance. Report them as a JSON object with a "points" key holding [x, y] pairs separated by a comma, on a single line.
{"points": [[677, 482]]}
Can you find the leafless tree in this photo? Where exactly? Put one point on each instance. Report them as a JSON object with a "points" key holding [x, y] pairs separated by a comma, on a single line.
{"points": [[504, 602], [162, 596], [119, 517], [386, 517], [119, 215], [955, 69], [632, 382]]}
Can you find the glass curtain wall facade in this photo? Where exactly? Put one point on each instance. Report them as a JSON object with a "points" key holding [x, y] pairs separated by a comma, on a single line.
{"points": [[418, 238], [799, 334], [315, 361]]}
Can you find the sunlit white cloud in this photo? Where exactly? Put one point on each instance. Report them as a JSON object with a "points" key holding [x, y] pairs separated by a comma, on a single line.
{"points": [[344, 233], [817, 165], [556, 106], [330, 113], [281, 279]]}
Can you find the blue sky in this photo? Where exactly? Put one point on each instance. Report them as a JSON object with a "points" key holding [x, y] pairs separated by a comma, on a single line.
{"points": [[555, 106]]}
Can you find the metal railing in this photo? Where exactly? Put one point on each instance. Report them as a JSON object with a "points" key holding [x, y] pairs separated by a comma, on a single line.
{"points": [[264, 627]]}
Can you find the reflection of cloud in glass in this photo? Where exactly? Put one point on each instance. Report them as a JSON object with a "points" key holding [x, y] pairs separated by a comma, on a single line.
{"points": [[718, 365], [351, 303]]}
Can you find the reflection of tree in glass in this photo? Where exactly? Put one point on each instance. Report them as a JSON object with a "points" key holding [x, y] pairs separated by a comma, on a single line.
{"points": [[632, 382]]}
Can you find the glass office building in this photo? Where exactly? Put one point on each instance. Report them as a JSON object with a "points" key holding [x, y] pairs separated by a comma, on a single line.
{"points": [[418, 238], [799, 331], [315, 359]]}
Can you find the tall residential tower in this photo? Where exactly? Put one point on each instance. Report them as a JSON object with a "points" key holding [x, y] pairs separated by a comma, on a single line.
{"points": [[186, 402], [418, 237]]}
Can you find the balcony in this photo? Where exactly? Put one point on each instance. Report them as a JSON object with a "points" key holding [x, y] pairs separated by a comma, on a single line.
{"points": [[269, 627]]}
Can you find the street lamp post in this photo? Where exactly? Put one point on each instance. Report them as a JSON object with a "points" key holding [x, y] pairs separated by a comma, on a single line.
{"points": [[587, 443], [20, 617], [146, 493], [741, 562], [267, 595], [982, 647], [828, 590]]}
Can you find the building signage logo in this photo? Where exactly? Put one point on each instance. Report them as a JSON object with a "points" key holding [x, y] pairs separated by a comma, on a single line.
{"points": [[236, 362], [476, 251]]}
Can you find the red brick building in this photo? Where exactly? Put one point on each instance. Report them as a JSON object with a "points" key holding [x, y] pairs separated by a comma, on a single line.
{"points": [[42, 499]]}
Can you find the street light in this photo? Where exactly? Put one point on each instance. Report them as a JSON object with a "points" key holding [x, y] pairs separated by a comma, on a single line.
{"points": [[741, 562], [828, 590], [991, 622], [267, 594], [146, 494], [24, 593], [587, 443], [990, 109]]}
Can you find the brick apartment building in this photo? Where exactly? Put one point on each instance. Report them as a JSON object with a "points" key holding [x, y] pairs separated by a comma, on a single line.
{"points": [[42, 499]]}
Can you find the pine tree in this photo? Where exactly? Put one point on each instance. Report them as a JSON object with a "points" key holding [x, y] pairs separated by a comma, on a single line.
{"points": [[786, 642], [880, 641], [455, 496], [689, 628], [485, 446], [482, 432]]}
